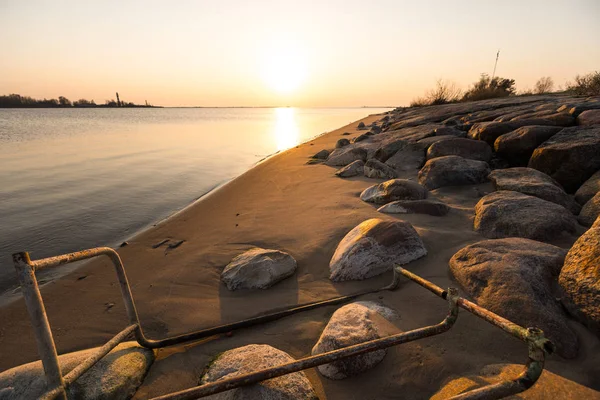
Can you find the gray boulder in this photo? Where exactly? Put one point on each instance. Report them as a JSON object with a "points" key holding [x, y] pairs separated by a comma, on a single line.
{"points": [[513, 278], [346, 155], [432, 139], [518, 145], [353, 169], [452, 171], [430, 207], [490, 131], [579, 278], [466, 148], [449, 131], [388, 149], [372, 248], [362, 137], [534, 183], [571, 156], [410, 158], [252, 358], [352, 324], [511, 214], [321, 155], [378, 170], [589, 117], [361, 125], [395, 189], [116, 376], [588, 189], [258, 269], [341, 143], [590, 211]]}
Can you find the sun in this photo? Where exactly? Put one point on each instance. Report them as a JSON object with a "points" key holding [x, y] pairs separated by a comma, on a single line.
{"points": [[284, 68]]}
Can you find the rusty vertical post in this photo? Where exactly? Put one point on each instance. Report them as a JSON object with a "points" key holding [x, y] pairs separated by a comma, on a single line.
{"points": [[39, 320]]}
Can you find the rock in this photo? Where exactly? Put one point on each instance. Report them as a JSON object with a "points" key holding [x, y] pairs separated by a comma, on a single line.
{"points": [[116, 376], [452, 171], [590, 211], [353, 169], [252, 358], [450, 131], [577, 109], [589, 117], [387, 150], [548, 386], [321, 155], [376, 129], [466, 148], [362, 137], [433, 139], [346, 155], [534, 183], [511, 214], [409, 158], [431, 207], [349, 325], [414, 133], [571, 156], [313, 161], [513, 278], [395, 189], [372, 248], [346, 134], [490, 131], [258, 269], [341, 143], [378, 170], [588, 189], [518, 145], [361, 125], [580, 278]]}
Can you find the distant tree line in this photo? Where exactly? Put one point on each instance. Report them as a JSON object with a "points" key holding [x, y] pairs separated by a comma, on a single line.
{"points": [[18, 101]]}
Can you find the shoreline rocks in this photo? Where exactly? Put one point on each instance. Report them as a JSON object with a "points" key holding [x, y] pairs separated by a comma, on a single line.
{"points": [[452, 171], [395, 189], [258, 269]]}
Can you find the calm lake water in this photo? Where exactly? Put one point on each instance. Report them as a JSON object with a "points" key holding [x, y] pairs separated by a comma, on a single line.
{"points": [[71, 179]]}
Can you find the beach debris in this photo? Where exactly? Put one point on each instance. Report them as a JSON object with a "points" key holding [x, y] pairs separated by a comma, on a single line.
{"points": [[533, 183], [256, 357], [116, 376], [108, 306], [346, 155], [395, 189], [502, 273], [430, 207], [352, 324], [512, 214], [518, 145], [321, 155], [579, 278], [466, 148], [353, 169], [588, 189], [372, 247], [590, 211], [452, 171], [341, 143], [157, 245], [258, 269], [361, 125], [376, 169]]}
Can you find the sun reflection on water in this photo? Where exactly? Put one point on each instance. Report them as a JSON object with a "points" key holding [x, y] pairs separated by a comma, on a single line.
{"points": [[287, 133]]}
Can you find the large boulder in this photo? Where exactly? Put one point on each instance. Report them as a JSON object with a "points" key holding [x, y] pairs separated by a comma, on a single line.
{"points": [[589, 117], [352, 324], [433, 139], [588, 189], [116, 376], [466, 148], [345, 155], [512, 214], [353, 169], [580, 278], [409, 158], [449, 131], [372, 248], [513, 278], [571, 156], [430, 207], [378, 170], [395, 189], [452, 171], [258, 269], [388, 149], [490, 131], [321, 155], [590, 211], [252, 358], [518, 145], [534, 183]]}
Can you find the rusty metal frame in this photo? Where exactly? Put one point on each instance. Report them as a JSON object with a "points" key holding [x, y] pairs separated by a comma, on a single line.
{"points": [[57, 384]]}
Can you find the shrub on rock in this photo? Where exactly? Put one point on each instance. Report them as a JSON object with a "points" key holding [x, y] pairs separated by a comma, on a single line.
{"points": [[452, 171], [466, 148], [395, 189], [258, 269]]}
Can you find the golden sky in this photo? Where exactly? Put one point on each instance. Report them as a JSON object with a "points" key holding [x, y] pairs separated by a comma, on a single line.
{"points": [[299, 53]]}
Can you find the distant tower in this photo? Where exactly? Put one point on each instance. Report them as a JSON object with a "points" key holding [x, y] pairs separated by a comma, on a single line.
{"points": [[118, 101], [146, 103]]}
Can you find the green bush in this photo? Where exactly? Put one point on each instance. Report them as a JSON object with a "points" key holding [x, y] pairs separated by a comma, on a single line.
{"points": [[490, 88]]}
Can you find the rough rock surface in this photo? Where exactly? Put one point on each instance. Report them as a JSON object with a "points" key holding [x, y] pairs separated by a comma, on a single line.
{"points": [[353, 169], [378, 170], [395, 189], [116, 376], [409, 158], [518, 145], [321, 155], [490, 131], [571, 156], [352, 324], [590, 211], [362, 137], [346, 155], [588, 189], [433, 139], [450, 131], [589, 117], [388, 149], [372, 247], [511, 214], [466, 148], [513, 277], [431, 207], [341, 143], [534, 183], [255, 357], [258, 269], [580, 278], [452, 171]]}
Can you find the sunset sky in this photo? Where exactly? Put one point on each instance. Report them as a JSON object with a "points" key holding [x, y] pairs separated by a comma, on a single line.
{"points": [[299, 53]]}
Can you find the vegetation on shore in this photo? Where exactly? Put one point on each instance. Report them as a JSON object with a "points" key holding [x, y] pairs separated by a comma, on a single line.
{"points": [[18, 101]]}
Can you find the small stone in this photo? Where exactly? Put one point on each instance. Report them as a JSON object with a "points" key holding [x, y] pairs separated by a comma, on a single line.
{"points": [[342, 143], [321, 155], [361, 125], [258, 269]]}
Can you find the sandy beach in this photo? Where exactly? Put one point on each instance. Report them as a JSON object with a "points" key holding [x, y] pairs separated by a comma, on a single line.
{"points": [[283, 203]]}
